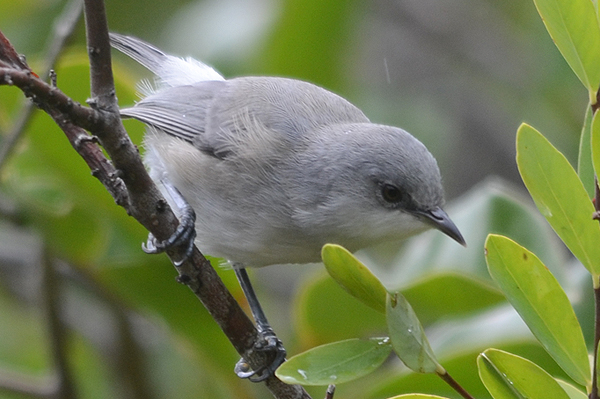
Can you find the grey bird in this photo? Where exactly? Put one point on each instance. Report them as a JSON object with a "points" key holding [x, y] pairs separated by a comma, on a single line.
{"points": [[275, 168]]}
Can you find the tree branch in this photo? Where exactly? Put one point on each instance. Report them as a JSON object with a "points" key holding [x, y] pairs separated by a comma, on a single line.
{"points": [[50, 293], [128, 182], [126, 353], [63, 29]]}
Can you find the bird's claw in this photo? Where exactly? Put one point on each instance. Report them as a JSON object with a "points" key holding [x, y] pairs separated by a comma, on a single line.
{"points": [[268, 342], [183, 236]]}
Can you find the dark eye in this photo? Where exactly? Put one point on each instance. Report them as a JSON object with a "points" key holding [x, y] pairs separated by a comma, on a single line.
{"points": [[391, 193]]}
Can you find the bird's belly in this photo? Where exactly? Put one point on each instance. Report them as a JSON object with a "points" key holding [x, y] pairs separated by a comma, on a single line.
{"points": [[255, 246]]}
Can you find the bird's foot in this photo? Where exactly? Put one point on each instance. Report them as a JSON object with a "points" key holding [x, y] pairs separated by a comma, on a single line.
{"points": [[267, 342], [183, 236]]}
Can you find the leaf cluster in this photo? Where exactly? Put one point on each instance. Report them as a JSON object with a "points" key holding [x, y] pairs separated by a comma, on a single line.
{"points": [[568, 199]]}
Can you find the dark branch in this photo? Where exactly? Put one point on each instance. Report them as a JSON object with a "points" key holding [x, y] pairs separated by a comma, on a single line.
{"points": [[63, 30], [126, 349], [127, 180], [48, 97], [98, 45], [58, 334]]}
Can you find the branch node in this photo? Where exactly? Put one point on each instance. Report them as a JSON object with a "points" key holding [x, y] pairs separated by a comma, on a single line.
{"points": [[93, 51], [84, 138], [53, 80], [161, 205], [117, 174], [124, 142], [92, 102], [122, 198], [183, 279]]}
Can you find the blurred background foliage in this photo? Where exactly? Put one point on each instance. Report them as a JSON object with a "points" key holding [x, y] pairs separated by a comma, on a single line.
{"points": [[460, 75]]}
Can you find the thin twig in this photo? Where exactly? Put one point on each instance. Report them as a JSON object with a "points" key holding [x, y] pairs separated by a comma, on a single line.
{"points": [[63, 29], [128, 354], [12, 138], [60, 383], [50, 293], [455, 385], [98, 46]]}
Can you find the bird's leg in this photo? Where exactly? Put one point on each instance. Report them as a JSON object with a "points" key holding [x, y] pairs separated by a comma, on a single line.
{"points": [[267, 341], [185, 233]]}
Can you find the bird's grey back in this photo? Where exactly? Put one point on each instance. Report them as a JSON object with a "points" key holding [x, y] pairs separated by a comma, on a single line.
{"points": [[216, 116]]}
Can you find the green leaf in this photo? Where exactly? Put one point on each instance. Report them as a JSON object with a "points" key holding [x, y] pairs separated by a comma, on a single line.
{"points": [[450, 295], [573, 392], [509, 376], [559, 195], [408, 338], [335, 363], [573, 25], [585, 167], [459, 363], [354, 276], [417, 396], [344, 317], [538, 298]]}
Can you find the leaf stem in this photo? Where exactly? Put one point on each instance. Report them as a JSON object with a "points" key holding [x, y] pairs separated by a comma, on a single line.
{"points": [[596, 283], [330, 391], [455, 385], [594, 392], [596, 105]]}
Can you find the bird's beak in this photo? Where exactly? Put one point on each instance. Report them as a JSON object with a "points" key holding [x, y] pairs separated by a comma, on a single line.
{"points": [[440, 220]]}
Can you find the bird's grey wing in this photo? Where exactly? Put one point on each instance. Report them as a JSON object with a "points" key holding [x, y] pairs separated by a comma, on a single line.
{"points": [[244, 114], [181, 112], [289, 107]]}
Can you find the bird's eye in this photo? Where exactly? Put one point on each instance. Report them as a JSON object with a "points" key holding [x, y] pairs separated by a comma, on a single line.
{"points": [[391, 193]]}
